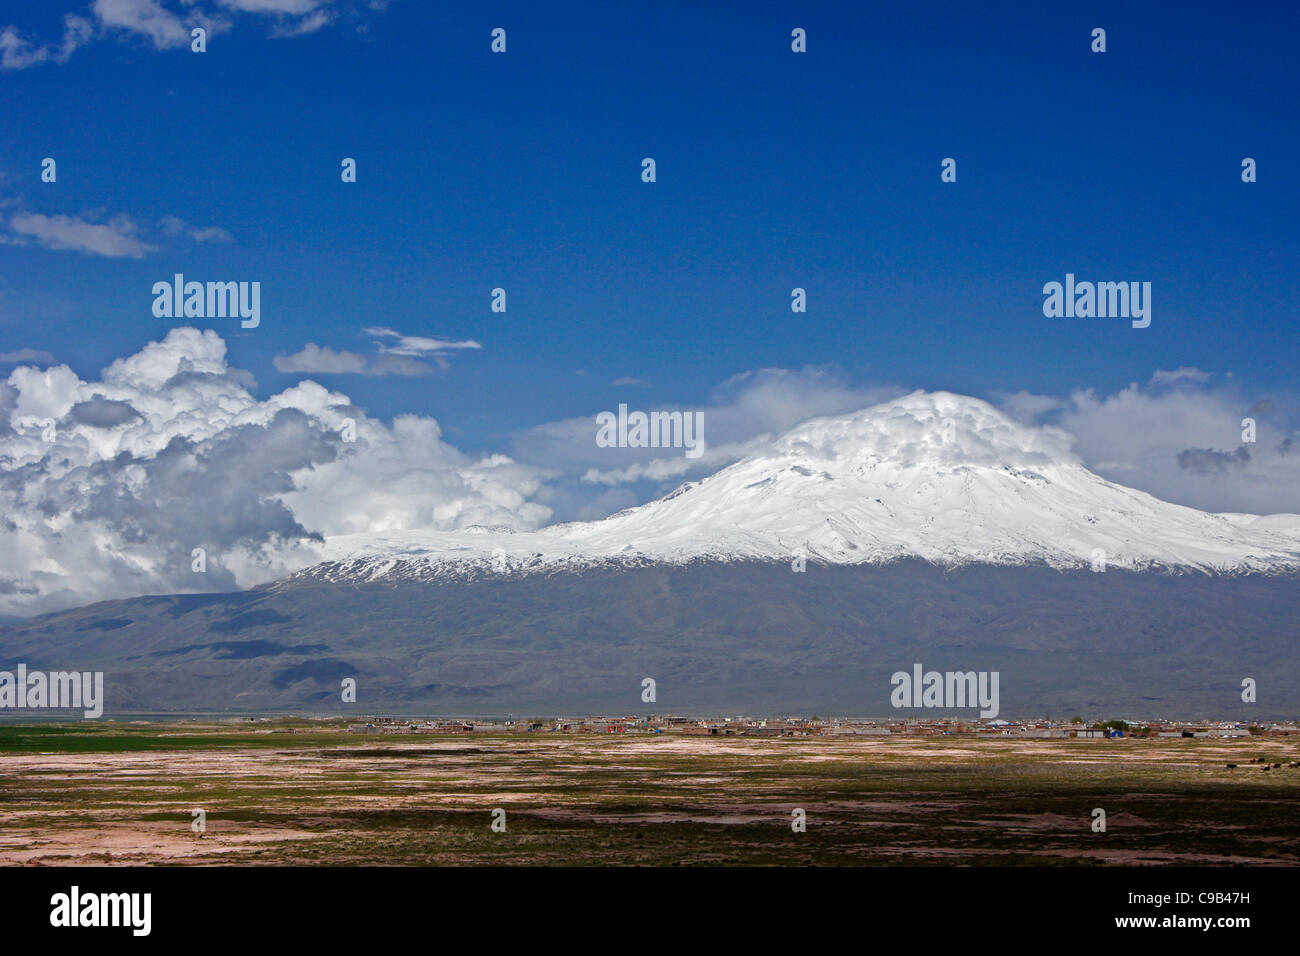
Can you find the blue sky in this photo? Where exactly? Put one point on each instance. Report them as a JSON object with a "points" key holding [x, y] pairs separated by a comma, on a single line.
{"points": [[775, 170]]}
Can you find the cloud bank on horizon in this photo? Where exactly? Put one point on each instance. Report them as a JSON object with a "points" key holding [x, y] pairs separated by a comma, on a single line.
{"points": [[109, 485]]}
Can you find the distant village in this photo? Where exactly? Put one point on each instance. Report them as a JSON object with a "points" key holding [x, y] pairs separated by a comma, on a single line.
{"points": [[817, 727]]}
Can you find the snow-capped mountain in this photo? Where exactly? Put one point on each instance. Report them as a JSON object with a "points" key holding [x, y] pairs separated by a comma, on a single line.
{"points": [[936, 530], [941, 477]]}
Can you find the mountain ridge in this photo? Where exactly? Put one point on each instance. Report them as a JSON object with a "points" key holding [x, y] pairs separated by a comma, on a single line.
{"points": [[748, 637]]}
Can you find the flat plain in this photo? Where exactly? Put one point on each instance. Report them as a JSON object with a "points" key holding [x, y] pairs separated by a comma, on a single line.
{"points": [[300, 792]]}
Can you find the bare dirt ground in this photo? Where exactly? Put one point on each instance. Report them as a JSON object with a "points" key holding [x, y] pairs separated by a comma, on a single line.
{"points": [[313, 794]]}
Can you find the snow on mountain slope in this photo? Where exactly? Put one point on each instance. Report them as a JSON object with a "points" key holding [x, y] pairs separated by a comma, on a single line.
{"points": [[936, 476]]}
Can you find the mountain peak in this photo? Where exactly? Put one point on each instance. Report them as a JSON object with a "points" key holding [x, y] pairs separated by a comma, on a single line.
{"points": [[942, 477], [928, 429]]}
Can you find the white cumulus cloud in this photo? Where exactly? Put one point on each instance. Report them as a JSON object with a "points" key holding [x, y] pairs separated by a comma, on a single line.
{"points": [[167, 25], [115, 239], [107, 486], [403, 355]]}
